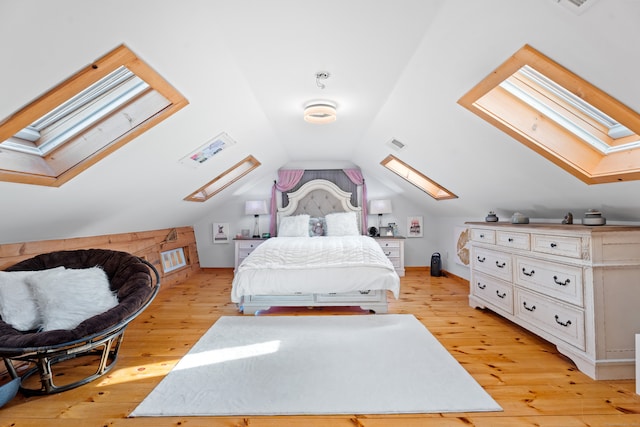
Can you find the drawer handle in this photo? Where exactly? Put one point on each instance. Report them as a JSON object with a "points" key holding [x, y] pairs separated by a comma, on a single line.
{"points": [[483, 259], [365, 292], [388, 253], [553, 245], [482, 236], [566, 324], [499, 295], [565, 283], [500, 265], [510, 239], [532, 308], [481, 286], [524, 271]]}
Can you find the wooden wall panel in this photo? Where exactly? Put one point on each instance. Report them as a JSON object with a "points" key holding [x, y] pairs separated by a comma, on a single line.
{"points": [[145, 244]]}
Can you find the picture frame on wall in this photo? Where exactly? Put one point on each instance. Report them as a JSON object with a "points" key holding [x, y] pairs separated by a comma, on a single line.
{"points": [[414, 226], [221, 232], [173, 259]]}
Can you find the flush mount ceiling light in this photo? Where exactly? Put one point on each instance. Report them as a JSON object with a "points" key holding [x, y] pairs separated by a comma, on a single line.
{"points": [[320, 112]]}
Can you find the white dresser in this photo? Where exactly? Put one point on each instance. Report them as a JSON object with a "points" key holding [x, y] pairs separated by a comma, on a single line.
{"points": [[393, 248], [244, 247], [576, 286]]}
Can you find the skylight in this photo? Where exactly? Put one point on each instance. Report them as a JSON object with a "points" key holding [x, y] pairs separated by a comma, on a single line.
{"points": [[560, 116], [570, 111], [225, 179], [79, 113], [416, 178], [84, 119]]}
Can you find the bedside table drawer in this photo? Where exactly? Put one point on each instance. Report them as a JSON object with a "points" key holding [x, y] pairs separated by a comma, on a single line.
{"points": [[389, 244], [248, 244]]}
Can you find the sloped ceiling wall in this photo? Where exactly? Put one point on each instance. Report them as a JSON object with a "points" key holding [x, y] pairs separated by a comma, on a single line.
{"points": [[247, 68]]}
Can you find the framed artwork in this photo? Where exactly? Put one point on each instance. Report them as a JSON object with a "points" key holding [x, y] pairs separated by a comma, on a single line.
{"points": [[173, 259], [414, 226], [386, 231], [461, 241], [220, 232]]}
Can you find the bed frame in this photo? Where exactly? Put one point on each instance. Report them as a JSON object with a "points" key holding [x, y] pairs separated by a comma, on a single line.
{"points": [[318, 198]]}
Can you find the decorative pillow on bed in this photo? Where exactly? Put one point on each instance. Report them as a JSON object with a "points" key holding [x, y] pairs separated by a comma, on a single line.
{"points": [[65, 298], [342, 224], [17, 306], [317, 227], [294, 226]]}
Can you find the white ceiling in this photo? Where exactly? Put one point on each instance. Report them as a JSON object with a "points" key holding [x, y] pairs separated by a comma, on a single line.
{"points": [[248, 67]]}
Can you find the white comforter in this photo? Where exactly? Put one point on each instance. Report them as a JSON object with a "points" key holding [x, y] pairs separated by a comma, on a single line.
{"points": [[293, 265]]}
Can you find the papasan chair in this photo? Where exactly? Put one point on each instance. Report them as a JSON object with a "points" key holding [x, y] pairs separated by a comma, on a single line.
{"points": [[133, 280]]}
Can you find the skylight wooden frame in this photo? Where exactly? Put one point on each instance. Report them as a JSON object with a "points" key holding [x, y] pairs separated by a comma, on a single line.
{"points": [[546, 137], [416, 178], [69, 160], [225, 179]]}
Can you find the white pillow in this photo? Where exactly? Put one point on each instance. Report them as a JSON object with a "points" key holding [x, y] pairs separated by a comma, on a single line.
{"points": [[66, 298], [342, 224], [17, 306], [294, 226]]}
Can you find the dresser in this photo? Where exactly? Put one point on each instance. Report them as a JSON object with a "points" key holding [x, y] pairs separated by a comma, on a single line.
{"points": [[243, 248], [393, 248], [576, 286]]}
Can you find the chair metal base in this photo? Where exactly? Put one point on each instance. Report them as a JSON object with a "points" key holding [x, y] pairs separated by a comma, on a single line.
{"points": [[106, 347]]}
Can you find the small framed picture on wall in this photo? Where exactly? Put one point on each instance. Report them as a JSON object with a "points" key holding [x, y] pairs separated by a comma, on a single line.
{"points": [[414, 226], [220, 232]]}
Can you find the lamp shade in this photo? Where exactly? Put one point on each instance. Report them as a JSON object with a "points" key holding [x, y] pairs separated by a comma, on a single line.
{"points": [[255, 207], [380, 207]]}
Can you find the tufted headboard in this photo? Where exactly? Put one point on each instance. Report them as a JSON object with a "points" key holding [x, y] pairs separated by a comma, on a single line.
{"points": [[318, 198]]}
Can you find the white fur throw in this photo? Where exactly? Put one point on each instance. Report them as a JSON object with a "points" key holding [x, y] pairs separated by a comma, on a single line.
{"points": [[17, 306], [65, 298]]}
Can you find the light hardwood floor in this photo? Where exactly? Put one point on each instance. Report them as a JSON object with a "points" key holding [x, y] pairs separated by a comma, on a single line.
{"points": [[534, 384]]}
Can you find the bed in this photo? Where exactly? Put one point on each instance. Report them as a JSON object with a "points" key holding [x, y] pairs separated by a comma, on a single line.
{"points": [[319, 258]]}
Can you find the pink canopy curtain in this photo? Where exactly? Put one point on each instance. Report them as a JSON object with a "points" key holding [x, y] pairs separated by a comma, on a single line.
{"points": [[287, 179], [355, 175]]}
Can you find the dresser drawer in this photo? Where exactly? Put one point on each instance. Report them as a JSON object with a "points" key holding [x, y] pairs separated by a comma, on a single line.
{"points": [[564, 322], [513, 240], [483, 235], [495, 263], [494, 291], [556, 280], [557, 245]]}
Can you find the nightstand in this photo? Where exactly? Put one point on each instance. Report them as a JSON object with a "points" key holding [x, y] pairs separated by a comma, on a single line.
{"points": [[244, 247], [393, 248]]}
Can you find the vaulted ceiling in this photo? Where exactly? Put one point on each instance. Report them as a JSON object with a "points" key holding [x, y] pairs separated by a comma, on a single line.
{"points": [[247, 67]]}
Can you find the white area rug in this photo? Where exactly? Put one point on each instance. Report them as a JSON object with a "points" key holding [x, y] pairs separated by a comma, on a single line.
{"points": [[293, 365]]}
